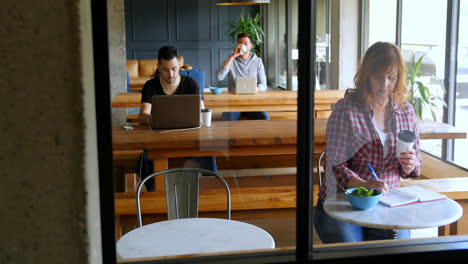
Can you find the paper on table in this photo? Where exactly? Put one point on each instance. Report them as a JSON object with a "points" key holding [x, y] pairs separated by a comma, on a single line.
{"points": [[408, 195]]}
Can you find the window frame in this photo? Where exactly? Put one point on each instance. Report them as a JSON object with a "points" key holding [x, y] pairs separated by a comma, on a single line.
{"points": [[448, 249]]}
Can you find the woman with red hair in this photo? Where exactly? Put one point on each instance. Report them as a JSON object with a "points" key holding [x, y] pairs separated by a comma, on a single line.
{"points": [[362, 130]]}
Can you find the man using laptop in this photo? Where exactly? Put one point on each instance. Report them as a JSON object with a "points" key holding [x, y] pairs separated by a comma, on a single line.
{"points": [[170, 82], [246, 65]]}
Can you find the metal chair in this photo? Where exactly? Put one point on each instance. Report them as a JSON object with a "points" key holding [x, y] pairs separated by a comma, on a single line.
{"points": [[319, 163], [182, 192]]}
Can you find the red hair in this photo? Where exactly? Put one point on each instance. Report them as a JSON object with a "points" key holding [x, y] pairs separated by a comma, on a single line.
{"points": [[381, 58]]}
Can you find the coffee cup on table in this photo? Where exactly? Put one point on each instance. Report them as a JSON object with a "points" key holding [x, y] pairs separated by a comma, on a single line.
{"points": [[405, 140], [206, 117]]}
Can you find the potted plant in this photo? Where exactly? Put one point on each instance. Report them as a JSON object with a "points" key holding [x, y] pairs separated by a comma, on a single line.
{"points": [[421, 97], [251, 26]]}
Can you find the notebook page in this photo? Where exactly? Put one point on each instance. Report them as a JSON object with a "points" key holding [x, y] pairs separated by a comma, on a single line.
{"points": [[424, 195], [396, 197]]}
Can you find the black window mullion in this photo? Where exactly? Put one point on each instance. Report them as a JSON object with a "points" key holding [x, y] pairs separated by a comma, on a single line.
{"points": [[305, 129], [399, 21], [451, 50]]}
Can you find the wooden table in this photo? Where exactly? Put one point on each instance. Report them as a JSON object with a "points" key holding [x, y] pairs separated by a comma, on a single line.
{"points": [[240, 138], [231, 102]]}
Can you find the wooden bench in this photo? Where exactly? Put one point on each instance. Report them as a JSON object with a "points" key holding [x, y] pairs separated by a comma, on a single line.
{"points": [[275, 192], [247, 193], [125, 174]]}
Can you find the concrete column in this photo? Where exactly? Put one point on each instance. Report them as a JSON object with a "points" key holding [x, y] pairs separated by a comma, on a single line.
{"points": [[344, 43], [117, 56], [48, 190]]}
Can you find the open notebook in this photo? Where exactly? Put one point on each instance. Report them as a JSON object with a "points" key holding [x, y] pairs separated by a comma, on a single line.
{"points": [[409, 195]]}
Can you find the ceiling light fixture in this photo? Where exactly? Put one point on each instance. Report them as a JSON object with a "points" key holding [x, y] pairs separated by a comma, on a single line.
{"points": [[242, 2]]}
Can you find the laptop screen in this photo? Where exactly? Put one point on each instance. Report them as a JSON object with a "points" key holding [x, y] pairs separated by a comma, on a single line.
{"points": [[246, 85], [176, 111]]}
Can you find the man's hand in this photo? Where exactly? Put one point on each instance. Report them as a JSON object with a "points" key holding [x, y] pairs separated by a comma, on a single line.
{"points": [[145, 119], [237, 49], [408, 161]]}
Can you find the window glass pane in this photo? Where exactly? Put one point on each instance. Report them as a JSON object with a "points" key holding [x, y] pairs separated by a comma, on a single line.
{"points": [[426, 39], [323, 45], [381, 21], [254, 156], [282, 41], [461, 111], [351, 147]]}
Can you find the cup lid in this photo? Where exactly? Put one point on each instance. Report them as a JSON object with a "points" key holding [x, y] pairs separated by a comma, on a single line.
{"points": [[206, 110], [406, 136]]}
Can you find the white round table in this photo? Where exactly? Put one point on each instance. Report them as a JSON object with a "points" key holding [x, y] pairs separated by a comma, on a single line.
{"points": [[192, 236], [411, 216]]}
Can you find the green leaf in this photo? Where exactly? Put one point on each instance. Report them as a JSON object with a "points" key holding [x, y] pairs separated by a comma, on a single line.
{"points": [[418, 108], [422, 91], [249, 25], [417, 66], [434, 116]]}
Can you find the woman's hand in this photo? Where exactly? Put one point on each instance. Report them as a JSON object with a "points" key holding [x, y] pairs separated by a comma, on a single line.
{"points": [[356, 182], [408, 161], [379, 185]]}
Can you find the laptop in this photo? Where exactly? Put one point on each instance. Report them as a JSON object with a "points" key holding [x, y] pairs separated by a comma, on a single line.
{"points": [[176, 111], [246, 85]]}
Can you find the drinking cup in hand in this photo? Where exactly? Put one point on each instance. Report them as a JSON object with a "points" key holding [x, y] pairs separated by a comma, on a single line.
{"points": [[243, 50], [405, 140]]}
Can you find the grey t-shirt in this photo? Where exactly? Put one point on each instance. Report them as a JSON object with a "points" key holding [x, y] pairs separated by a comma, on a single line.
{"points": [[252, 67]]}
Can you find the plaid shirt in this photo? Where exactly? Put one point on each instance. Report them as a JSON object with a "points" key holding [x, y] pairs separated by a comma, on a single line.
{"points": [[353, 142]]}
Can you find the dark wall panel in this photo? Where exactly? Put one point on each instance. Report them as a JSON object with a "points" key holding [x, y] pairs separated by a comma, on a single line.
{"points": [[202, 58], [197, 28], [149, 14], [193, 20]]}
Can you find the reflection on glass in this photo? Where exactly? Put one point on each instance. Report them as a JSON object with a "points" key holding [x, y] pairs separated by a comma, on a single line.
{"points": [[461, 111], [283, 38], [361, 151], [356, 140], [380, 24], [426, 39], [256, 158]]}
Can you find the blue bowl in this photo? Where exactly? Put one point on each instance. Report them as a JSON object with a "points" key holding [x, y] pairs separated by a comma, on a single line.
{"points": [[216, 90], [363, 203]]}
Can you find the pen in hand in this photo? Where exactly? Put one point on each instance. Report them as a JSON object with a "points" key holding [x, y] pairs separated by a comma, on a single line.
{"points": [[374, 174]]}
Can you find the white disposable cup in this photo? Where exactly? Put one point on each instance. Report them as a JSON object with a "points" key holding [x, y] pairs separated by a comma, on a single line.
{"points": [[405, 140], [206, 117], [243, 50]]}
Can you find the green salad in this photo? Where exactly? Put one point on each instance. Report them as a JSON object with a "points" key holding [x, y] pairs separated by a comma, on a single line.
{"points": [[363, 192]]}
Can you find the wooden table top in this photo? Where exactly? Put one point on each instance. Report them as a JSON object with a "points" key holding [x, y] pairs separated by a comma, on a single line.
{"points": [[222, 134], [228, 134], [435, 130], [269, 98]]}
